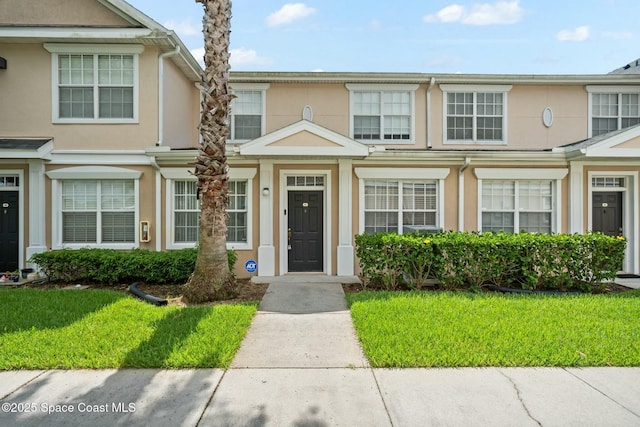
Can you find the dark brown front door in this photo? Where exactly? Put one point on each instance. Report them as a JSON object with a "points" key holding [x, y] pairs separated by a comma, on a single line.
{"points": [[9, 214], [607, 213], [305, 233]]}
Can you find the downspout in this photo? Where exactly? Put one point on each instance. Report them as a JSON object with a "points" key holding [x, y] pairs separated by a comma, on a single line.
{"points": [[161, 92], [158, 195], [467, 162], [432, 82]]}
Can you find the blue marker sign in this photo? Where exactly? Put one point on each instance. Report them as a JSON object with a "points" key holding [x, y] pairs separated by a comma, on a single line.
{"points": [[251, 266]]}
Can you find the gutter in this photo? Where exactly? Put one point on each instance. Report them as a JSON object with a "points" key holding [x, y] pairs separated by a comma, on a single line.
{"points": [[432, 82]]}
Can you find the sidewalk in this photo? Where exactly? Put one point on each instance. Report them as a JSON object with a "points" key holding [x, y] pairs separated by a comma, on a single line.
{"points": [[301, 365]]}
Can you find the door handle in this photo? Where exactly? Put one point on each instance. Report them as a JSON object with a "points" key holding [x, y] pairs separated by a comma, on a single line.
{"points": [[289, 239]]}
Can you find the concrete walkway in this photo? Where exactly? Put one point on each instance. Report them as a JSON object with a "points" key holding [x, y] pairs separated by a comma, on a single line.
{"points": [[301, 365]]}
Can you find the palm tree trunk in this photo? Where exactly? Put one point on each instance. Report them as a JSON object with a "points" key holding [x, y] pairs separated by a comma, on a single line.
{"points": [[212, 279]]}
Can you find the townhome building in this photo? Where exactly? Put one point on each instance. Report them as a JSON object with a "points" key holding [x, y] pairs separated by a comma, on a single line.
{"points": [[98, 138]]}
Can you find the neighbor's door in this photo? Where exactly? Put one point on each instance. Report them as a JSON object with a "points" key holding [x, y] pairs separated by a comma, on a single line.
{"points": [[9, 232], [306, 231], [607, 213]]}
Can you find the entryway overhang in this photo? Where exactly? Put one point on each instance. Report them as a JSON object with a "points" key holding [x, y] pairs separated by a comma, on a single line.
{"points": [[304, 139], [26, 148]]}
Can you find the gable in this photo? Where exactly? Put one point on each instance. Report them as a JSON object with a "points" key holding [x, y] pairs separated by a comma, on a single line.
{"points": [[632, 143], [63, 13], [304, 139]]}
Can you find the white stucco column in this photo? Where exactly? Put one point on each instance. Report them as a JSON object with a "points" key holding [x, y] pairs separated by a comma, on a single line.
{"points": [[576, 199], [346, 258], [37, 226], [266, 250]]}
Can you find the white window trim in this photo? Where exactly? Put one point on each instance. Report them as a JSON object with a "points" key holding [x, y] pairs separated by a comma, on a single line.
{"points": [[262, 87], [604, 89], [179, 174], [94, 174], [403, 174], [511, 174], [92, 49], [457, 88], [411, 88]]}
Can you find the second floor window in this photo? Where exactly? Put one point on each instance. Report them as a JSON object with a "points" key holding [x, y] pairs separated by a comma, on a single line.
{"points": [[95, 86], [382, 114], [94, 83], [247, 115], [475, 115], [613, 111]]}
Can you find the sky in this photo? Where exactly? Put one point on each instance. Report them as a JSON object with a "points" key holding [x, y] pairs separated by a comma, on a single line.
{"points": [[432, 36]]}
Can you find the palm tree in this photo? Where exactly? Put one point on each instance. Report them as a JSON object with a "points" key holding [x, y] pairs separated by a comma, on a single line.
{"points": [[212, 279]]}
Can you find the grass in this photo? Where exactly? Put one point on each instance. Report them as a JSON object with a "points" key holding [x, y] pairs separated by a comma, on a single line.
{"points": [[432, 329], [63, 329]]}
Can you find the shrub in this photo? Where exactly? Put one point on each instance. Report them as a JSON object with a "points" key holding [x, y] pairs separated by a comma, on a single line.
{"points": [[472, 260], [110, 266]]}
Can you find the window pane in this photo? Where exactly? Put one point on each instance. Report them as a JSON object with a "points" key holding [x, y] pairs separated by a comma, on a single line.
{"points": [[76, 102], [118, 227], [247, 102], [366, 127], [460, 128], [116, 102], [535, 222], [118, 195], [602, 126], [247, 127], [79, 195], [79, 227], [498, 221], [186, 227], [489, 128], [498, 195], [397, 128], [366, 103], [375, 222]]}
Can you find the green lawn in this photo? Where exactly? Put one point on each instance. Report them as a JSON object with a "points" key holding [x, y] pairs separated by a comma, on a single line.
{"points": [[433, 329], [64, 329]]}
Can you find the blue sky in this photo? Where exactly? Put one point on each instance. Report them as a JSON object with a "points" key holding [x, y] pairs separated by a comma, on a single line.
{"points": [[450, 36]]}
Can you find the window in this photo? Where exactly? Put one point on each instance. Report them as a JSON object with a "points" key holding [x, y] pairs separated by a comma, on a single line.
{"points": [[613, 111], [94, 83], [186, 212], [383, 114], [98, 211], [400, 206], [475, 115], [247, 116], [514, 206]]}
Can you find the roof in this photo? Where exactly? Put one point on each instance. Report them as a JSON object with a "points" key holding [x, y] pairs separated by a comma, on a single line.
{"points": [[585, 143], [631, 68], [22, 143]]}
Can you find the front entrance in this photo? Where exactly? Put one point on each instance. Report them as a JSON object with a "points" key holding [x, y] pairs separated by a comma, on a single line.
{"points": [[607, 213], [9, 233], [305, 233]]}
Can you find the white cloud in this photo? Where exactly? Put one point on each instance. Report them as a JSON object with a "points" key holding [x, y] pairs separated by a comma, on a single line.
{"points": [[184, 28], [198, 54], [243, 56], [580, 34], [502, 12], [289, 13]]}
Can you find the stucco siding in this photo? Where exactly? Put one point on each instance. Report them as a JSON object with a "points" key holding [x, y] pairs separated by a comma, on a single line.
{"points": [[58, 13]]}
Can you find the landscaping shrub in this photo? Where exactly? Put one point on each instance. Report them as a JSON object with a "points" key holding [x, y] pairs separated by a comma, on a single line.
{"points": [[110, 266], [471, 260]]}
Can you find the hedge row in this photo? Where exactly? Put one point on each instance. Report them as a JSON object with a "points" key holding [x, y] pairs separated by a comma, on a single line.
{"points": [[462, 260], [109, 266]]}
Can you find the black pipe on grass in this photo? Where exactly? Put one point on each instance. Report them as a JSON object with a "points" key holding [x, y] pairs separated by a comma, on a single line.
{"points": [[145, 296]]}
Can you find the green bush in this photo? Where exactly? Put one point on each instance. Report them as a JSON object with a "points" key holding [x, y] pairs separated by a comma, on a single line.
{"points": [[110, 266], [472, 260]]}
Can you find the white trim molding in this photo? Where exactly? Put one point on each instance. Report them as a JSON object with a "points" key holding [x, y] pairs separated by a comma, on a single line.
{"points": [[91, 172]]}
